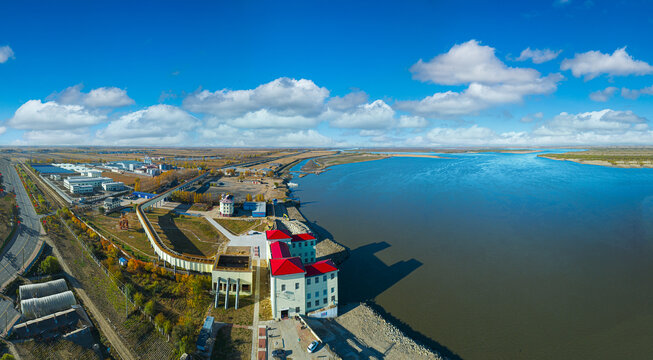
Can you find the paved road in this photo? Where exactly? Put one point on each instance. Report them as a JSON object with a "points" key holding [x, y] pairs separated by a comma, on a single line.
{"points": [[242, 240], [25, 244]]}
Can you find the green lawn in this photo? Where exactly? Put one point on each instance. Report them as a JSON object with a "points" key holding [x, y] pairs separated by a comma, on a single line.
{"points": [[186, 234], [238, 227], [135, 237]]}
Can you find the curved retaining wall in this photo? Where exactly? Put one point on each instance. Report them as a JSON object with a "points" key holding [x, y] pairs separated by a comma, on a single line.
{"points": [[193, 263]]}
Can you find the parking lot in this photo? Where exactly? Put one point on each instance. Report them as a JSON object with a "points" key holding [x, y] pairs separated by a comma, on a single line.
{"points": [[289, 336]]}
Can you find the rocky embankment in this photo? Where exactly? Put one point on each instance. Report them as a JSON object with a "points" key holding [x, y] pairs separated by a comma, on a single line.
{"points": [[373, 330]]}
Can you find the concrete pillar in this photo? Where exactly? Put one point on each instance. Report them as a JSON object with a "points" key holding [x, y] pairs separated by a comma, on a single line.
{"points": [[217, 294], [226, 298], [237, 292]]}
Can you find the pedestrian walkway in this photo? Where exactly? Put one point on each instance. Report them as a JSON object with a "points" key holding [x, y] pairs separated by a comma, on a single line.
{"points": [[242, 240]]}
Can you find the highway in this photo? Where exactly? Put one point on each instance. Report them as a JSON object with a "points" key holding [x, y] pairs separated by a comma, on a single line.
{"points": [[25, 243]]}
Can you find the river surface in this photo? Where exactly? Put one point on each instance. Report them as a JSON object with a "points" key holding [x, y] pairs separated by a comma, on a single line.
{"points": [[497, 256]]}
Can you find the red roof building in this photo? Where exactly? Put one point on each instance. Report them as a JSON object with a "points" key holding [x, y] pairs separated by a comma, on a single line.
{"points": [[303, 237], [320, 267], [279, 250], [286, 266], [277, 235]]}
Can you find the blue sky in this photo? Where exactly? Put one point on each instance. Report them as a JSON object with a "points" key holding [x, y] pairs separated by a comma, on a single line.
{"points": [[326, 73]]}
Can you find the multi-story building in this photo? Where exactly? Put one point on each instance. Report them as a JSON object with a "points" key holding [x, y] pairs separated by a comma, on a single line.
{"points": [[113, 186], [226, 205], [298, 284], [111, 203]]}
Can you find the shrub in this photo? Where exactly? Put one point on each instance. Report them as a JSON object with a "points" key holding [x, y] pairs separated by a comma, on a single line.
{"points": [[50, 265]]}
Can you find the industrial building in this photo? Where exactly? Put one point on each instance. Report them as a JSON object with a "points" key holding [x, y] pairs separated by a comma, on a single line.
{"points": [[258, 208], [113, 186], [226, 205], [81, 184], [298, 284], [111, 203], [232, 274]]}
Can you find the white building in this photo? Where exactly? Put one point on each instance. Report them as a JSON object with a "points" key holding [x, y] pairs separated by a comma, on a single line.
{"points": [[226, 205], [81, 189], [91, 173], [113, 186], [94, 182], [298, 284], [111, 203]]}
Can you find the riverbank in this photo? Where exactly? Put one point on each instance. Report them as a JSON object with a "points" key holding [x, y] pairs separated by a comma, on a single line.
{"points": [[361, 320], [317, 166], [622, 158]]}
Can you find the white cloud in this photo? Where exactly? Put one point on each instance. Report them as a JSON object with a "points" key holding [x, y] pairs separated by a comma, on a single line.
{"points": [[603, 95], [478, 97], [6, 53], [347, 102], [374, 115], [538, 56], [155, 125], [407, 121], [3, 129], [594, 63], [100, 97], [490, 81], [265, 119], [634, 94], [605, 127], [56, 137], [51, 115], [281, 97], [470, 62]]}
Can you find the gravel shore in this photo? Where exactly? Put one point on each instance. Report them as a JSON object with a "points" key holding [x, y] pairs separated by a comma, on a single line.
{"points": [[373, 330]]}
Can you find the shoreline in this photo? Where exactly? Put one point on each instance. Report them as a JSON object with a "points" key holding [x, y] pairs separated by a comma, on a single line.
{"points": [[603, 163], [373, 317]]}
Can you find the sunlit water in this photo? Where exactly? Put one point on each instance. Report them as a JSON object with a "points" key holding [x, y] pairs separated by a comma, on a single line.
{"points": [[498, 256]]}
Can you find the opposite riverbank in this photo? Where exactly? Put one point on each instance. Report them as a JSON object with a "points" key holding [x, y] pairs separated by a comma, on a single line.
{"points": [[627, 158]]}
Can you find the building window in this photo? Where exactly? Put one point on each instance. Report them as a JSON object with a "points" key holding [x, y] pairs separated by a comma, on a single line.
{"points": [[324, 292], [333, 290], [293, 244], [317, 293], [299, 244], [333, 275], [324, 301], [308, 304], [283, 287], [333, 298], [308, 281], [324, 278], [308, 295], [317, 280], [297, 309], [296, 286], [246, 287]]}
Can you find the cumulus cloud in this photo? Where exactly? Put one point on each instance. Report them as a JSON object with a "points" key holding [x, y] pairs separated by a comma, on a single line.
{"points": [[478, 97], [374, 115], [51, 115], [282, 97], [603, 95], [605, 127], [101, 97], [594, 63], [155, 125], [347, 102], [407, 121], [490, 82], [470, 62], [6, 53], [225, 135], [538, 56], [56, 137], [634, 94]]}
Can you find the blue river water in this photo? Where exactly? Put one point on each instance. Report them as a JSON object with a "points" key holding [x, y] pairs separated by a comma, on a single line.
{"points": [[497, 256]]}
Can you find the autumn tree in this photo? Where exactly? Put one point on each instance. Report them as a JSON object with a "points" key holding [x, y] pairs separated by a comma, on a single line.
{"points": [[137, 184], [248, 197]]}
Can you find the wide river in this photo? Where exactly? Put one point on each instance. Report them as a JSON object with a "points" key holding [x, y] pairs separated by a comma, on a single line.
{"points": [[497, 256]]}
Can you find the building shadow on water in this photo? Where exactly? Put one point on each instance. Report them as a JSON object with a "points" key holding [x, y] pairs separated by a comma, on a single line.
{"points": [[364, 276]]}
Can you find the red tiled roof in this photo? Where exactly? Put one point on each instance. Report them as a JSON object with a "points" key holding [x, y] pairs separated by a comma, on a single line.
{"points": [[279, 250], [286, 266], [277, 235], [303, 237], [320, 267]]}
